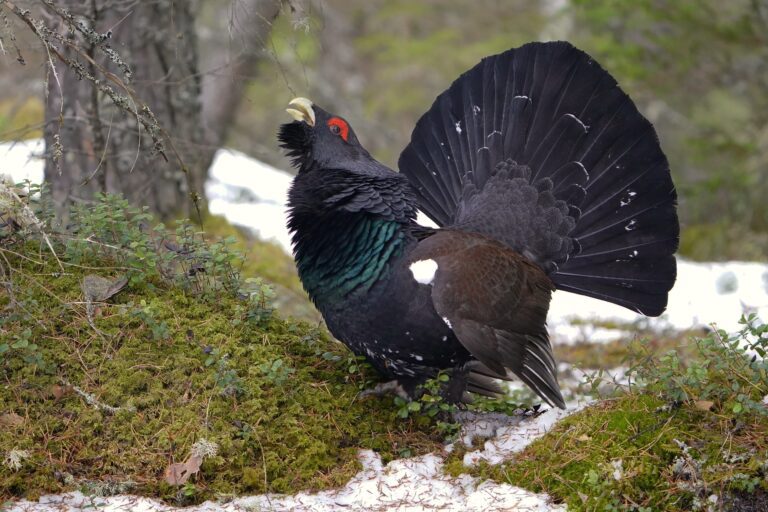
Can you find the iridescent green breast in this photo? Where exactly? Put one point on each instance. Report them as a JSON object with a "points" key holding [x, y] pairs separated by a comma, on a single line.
{"points": [[349, 255]]}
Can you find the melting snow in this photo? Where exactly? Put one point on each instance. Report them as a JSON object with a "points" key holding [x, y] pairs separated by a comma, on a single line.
{"points": [[505, 439], [22, 160], [416, 484], [249, 193]]}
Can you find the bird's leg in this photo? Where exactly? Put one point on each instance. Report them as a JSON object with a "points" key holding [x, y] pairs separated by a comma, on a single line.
{"points": [[392, 387]]}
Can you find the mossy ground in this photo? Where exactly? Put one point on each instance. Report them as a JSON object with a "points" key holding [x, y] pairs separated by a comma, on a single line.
{"points": [[277, 397], [576, 463]]}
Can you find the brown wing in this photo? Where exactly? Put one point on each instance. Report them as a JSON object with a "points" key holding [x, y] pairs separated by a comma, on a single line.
{"points": [[496, 302]]}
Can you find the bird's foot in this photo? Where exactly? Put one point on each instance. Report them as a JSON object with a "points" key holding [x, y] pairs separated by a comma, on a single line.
{"points": [[392, 387]]}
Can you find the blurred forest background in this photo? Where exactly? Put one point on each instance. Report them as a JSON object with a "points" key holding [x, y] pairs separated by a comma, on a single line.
{"points": [[697, 69]]}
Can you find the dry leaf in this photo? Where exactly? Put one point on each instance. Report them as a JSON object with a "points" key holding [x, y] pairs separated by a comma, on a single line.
{"points": [[179, 473], [704, 405], [99, 289], [11, 419], [60, 391]]}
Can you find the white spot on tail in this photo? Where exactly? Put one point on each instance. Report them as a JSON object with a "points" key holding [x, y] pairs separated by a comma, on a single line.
{"points": [[632, 225], [447, 322], [458, 126], [424, 271], [585, 127], [475, 109], [628, 198]]}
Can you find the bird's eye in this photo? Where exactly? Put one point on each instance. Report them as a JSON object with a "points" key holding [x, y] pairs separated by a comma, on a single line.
{"points": [[339, 127]]}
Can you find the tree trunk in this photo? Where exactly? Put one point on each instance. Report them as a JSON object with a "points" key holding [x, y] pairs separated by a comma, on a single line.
{"points": [[103, 149]]}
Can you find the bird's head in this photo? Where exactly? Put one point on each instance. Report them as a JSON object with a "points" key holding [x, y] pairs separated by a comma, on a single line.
{"points": [[336, 174], [319, 139]]}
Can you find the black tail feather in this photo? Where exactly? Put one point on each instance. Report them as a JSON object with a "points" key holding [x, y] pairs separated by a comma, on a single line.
{"points": [[551, 108]]}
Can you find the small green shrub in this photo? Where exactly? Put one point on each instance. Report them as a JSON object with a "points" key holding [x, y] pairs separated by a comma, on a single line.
{"points": [[277, 372], [431, 406], [728, 370], [110, 228], [23, 345], [147, 314]]}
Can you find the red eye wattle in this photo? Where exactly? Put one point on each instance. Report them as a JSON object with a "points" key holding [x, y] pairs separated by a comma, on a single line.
{"points": [[339, 127]]}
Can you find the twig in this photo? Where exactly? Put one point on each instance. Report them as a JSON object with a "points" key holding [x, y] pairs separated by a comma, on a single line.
{"points": [[92, 400]]}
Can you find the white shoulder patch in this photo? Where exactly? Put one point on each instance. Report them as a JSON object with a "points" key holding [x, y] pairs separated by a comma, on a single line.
{"points": [[424, 271]]}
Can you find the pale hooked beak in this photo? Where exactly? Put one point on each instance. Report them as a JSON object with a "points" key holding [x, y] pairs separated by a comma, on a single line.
{"points": [[301, 110]]}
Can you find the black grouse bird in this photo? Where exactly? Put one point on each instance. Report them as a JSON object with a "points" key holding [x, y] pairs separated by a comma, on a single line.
{"points": [[541, 173]]}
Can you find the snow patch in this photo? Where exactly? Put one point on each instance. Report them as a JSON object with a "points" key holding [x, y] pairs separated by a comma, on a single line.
{"points": [[703, 294], [409, 484], [508, 440], [23, 160], [250, 193]]}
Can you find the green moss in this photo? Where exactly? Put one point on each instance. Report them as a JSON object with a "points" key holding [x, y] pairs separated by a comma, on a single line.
{"points": [[199, 379], [574, 461]]}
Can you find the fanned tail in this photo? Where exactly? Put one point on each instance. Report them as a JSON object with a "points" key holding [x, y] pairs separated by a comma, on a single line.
{"points": [[539, 148]]}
